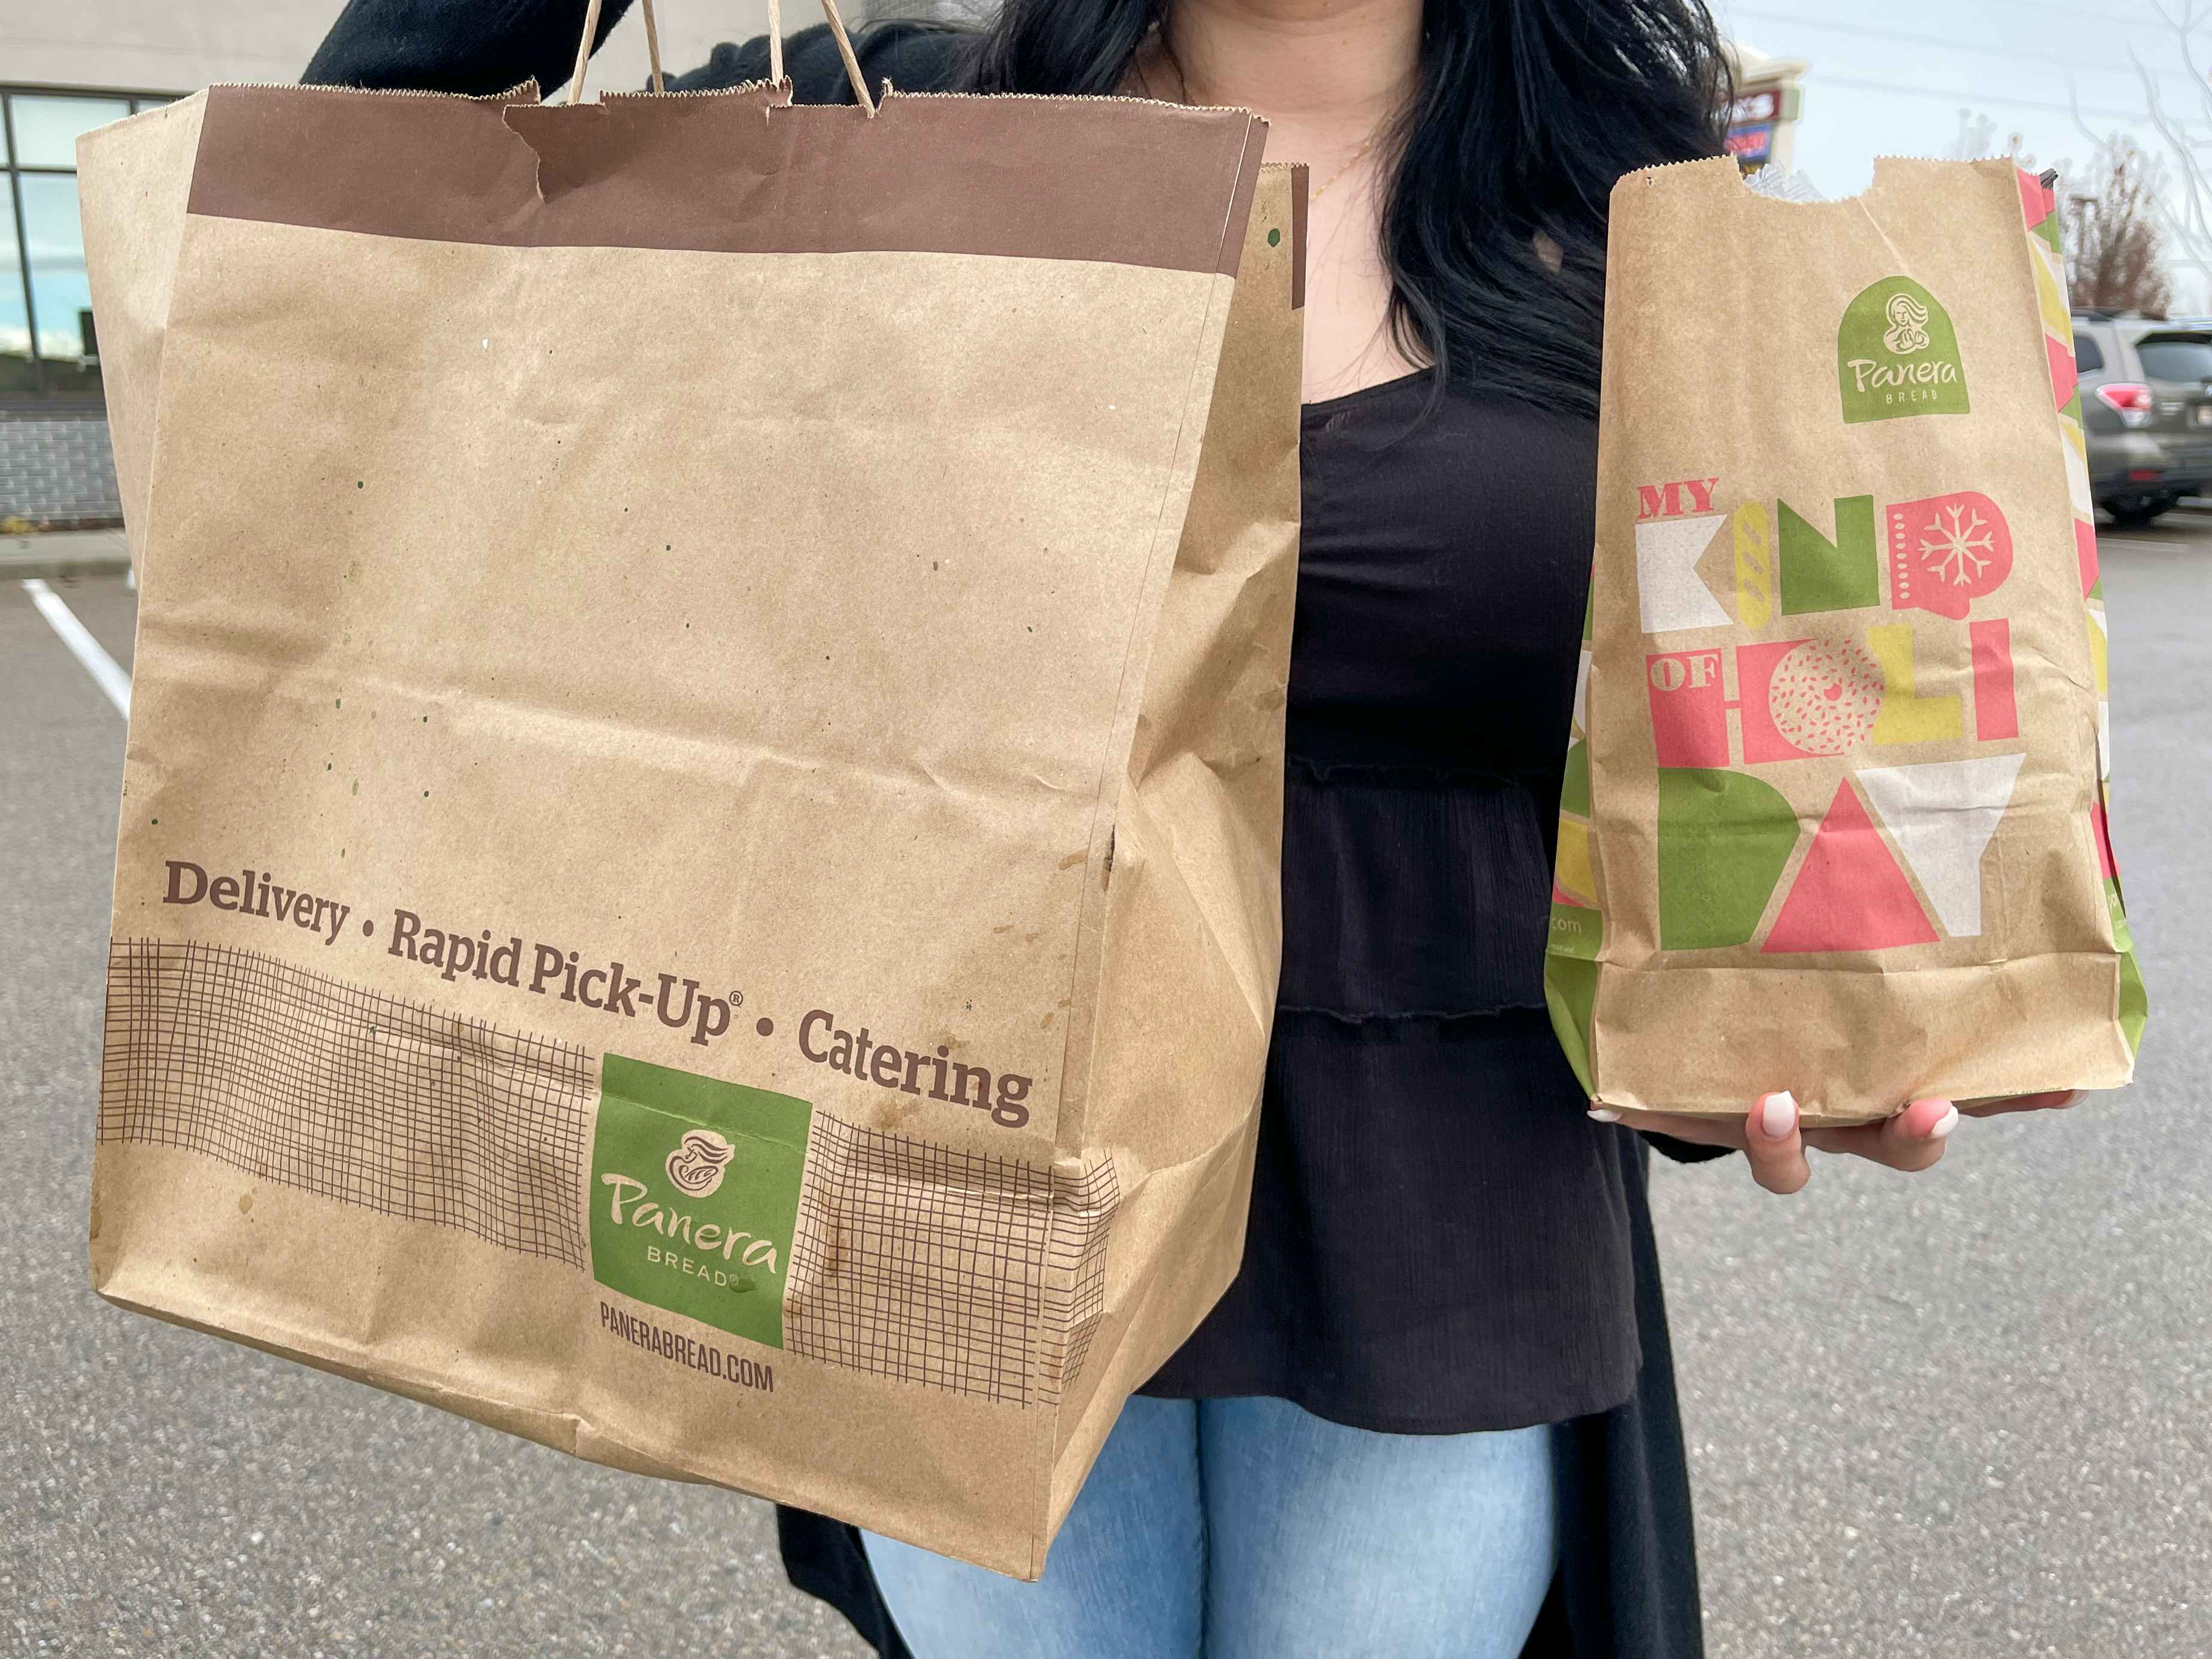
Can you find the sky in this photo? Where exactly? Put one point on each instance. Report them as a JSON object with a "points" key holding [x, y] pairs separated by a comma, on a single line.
{"points": [[1892, 77]]}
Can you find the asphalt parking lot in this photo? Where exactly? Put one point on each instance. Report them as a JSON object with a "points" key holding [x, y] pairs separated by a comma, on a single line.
{"points": [[1964, 1415]]}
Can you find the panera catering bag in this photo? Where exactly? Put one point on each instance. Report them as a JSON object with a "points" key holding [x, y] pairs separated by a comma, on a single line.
{"points": [[698, 877], [1834, 812]]}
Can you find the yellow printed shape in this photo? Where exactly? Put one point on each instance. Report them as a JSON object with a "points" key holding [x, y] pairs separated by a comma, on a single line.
{"points": [[1574, 874], [2048, 293], [1754, 566], [1908, 717], [2099, 662]]}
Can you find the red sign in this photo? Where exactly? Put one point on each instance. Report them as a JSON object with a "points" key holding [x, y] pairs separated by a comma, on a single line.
{"points": [[1751, 143]]}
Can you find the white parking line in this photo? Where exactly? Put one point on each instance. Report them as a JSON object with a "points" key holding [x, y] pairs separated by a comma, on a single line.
{"points": [[85, 649]]}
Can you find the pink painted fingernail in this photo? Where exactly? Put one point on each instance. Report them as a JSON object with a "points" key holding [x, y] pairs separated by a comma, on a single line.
{"points": [[1778, 1116], [1604, 1114]]}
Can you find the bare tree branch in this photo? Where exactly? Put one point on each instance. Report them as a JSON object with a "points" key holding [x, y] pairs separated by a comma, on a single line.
{"points": [[2113, 237], [2179, 217]]}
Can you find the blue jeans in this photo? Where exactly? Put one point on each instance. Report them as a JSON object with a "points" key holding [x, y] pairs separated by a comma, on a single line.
{"points": [[1251, 1530]]}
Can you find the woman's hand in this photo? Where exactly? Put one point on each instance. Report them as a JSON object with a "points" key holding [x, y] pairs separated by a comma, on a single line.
{"points": [[1770, 1137]]}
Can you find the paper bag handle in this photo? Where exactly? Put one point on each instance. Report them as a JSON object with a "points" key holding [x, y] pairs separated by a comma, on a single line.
{"points": [[584, 49], [859, 82], [774, 50]]}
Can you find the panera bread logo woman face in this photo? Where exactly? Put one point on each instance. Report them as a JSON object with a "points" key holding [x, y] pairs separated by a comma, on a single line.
{"points": [[695, 1166], [1908, 325], [1897, 355]]}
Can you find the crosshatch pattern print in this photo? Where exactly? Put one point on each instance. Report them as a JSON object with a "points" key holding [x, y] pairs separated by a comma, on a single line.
{"points": [[961, 1271], [965, 1272], [1075, 1294], [303, 1080]]}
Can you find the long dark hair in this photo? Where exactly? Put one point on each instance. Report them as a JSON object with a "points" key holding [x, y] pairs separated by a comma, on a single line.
{"points": [[1525, 114]]}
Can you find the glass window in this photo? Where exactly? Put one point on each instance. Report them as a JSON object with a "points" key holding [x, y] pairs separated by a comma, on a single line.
{"points": [[2087, 358], [48, 345], [61, 298], [46, 127], [56, 245], [157, 103], [17, 373], [2176, 357]]}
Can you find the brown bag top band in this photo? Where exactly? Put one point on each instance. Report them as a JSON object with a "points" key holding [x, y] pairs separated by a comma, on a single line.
{"points": [[1112, 180]]}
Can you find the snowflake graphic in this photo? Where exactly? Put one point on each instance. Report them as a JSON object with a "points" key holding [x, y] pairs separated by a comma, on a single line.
{"points": [[1958, 545]]}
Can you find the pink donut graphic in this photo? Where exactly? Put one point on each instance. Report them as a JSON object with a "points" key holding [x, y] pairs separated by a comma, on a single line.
{"points": [[1824, 696]]}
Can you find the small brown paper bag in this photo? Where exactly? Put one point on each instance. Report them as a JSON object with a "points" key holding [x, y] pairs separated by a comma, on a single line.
{"points": [[698, 877], [1834, 814]]}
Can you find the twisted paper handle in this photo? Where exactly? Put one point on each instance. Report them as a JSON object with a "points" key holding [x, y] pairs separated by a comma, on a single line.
{"points": [[774, 50], [584, 49]]}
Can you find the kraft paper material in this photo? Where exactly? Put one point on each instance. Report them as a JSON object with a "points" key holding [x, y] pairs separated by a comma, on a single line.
{"points": [[698, 871], [1834, 814]]}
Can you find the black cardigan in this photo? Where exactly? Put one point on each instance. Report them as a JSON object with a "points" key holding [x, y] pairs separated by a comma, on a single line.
{"points": [[1627, 1583]]}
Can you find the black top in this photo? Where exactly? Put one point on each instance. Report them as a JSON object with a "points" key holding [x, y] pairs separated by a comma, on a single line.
{"points": [[1432, 1084], [1439, 1235]]}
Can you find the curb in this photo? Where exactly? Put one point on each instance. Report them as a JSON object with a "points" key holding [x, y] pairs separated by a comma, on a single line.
{"points": [[23, 557]]}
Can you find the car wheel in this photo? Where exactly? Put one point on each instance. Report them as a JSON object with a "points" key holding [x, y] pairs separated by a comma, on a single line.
{"points": [[2133, 512]]}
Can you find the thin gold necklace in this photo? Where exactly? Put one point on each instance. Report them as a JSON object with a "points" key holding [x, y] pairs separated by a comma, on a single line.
{"points": [[1358, 156]]}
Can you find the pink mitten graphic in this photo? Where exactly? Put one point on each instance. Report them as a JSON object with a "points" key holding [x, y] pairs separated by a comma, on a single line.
{"points": [[1947, 552]]}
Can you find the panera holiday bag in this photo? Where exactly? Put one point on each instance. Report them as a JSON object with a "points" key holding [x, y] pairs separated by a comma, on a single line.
{"points": [[698, 877], [1834, 812]]}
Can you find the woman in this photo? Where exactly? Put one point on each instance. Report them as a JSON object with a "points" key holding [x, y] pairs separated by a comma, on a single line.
{"points": [[1433, 1416]]}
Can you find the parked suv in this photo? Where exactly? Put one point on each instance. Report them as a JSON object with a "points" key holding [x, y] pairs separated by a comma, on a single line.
{"points": [[2147, 406]]}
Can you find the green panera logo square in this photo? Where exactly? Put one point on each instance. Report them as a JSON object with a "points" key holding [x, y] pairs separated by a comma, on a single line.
{"points": [[695, 1194]]}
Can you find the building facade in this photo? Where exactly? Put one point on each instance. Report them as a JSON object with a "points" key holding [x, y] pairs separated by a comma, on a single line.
{"points": [[65, 70]]}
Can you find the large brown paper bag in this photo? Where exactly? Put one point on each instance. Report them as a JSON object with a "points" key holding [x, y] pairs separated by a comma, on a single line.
{"points": [[1834, 814], [698, 877]]}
